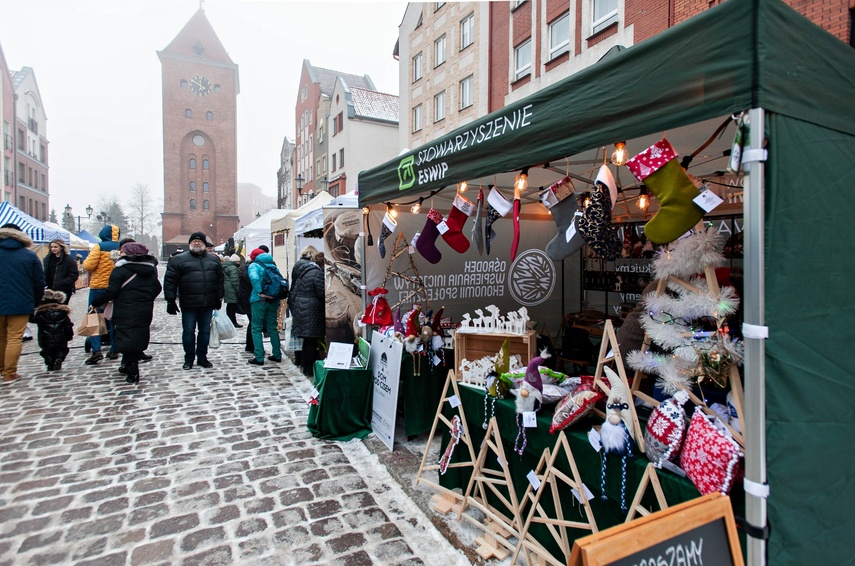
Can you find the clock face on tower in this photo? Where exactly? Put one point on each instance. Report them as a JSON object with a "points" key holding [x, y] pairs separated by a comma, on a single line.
{"points": [[201, 86]]}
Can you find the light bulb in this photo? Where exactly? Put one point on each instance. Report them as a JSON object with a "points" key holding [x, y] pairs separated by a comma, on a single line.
{"points": [[461, 187], [416, 208], [365, 210], [643, 199], [393, 213], [522, 182], [619, 156], [587, 202]]}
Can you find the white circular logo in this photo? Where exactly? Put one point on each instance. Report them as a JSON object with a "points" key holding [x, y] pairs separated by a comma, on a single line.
{"points": [[531, 278]]}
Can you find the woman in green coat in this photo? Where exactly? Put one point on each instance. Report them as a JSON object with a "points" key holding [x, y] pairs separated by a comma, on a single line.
{"points": [[231, 283]]}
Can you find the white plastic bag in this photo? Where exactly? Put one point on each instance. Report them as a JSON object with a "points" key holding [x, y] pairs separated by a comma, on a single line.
{"points": [[224, 326], [214, 340]]}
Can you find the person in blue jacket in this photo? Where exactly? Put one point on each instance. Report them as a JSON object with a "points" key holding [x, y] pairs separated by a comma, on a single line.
{"points": [[264, 311]]}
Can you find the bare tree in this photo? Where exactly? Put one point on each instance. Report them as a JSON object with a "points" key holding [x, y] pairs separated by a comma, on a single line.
{"points": [[141, 209]]}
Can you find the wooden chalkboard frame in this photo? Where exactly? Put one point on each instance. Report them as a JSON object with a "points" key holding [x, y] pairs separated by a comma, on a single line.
{"points": [[621, 541]]}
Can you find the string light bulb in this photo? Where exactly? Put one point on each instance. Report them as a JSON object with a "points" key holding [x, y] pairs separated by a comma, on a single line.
{"points": [[643, 199], [462, 186], [365, 211], [416, 208], [522, 181], [390, 210], [620, 155]]}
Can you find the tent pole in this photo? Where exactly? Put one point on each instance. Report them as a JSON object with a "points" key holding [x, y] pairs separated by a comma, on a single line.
{"points": [[755, 348]]}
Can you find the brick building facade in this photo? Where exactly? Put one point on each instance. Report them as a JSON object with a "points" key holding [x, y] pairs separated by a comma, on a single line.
{"points": [[199, 89]]}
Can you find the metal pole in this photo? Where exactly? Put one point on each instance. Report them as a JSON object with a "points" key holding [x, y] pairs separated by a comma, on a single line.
{"points": [[755, 348]]}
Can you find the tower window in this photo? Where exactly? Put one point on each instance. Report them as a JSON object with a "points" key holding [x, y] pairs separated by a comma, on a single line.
{"points": [[192, 185], [198, 48], [209, 115], [192, 163], [205, 186], [205, 205], [183, 83], [188, 113], [217, 87], [192, 204], [204, 164]]}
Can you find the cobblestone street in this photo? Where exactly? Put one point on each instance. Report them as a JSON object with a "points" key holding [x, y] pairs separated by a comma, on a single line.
{"points": [[203, 466]]}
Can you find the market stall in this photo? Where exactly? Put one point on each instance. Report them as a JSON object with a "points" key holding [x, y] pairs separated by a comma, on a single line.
{"points": [[794, 83], [258, 231], [288, 243]]}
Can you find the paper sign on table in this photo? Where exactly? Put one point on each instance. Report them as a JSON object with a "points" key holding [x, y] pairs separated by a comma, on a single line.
{"points": [[338, 355]]}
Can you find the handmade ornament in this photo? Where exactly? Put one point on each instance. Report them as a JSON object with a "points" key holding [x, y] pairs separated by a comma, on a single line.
{"points": [[456, 432], [388, 228], [452, 230], [574, 406], [616, 433], [426, 242], [491, 384], [529, 398], [478, 226], [398, 324], [516, 218], [596, 222], [378, 313], [657, 167], [497, 207], [710, 457], [560, 199], [666, 429]]}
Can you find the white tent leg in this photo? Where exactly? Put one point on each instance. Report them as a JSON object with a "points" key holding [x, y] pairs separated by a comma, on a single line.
{"points": [[755, 348]]}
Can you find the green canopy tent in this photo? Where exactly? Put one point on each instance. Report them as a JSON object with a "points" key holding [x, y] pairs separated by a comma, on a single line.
{"points": [[798, 83]]}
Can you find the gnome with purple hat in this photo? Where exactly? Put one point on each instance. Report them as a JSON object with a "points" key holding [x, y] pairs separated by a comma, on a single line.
{"points": [[529, 397]]}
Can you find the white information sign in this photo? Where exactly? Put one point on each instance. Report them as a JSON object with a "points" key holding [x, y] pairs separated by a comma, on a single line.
{"points": [[385, 364]]}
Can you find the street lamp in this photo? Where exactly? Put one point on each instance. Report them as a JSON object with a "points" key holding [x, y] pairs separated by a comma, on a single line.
{"points": [[103, 217], [299, 180], [69, 215]]}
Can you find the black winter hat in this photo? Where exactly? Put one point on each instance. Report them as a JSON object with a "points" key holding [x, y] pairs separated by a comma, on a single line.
{"points": [[198, 236]]}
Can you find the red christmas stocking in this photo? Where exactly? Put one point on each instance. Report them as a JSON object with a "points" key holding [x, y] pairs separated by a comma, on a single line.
{"points": [[516, 218], [426, 241], [452, 228]]}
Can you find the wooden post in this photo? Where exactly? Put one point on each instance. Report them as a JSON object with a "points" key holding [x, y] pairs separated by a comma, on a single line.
{"points": [[649, 477]]}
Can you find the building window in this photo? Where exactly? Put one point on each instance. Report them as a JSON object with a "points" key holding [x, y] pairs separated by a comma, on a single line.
{"points": [[338, 123], [522, 60], [417, 118], [304, 92], [188, 113], [205, 205], [604, 13], [439, 107], [192, 163], [333, 162], [192, 204], [417, 67], [192, 185], [467, 26], [466, 92], [341, 157], [516, 4], [204, 164], [217, 88], [559, 36], [205, 187], [183, 83], [209, 115], [438, 5], [439, 51]]}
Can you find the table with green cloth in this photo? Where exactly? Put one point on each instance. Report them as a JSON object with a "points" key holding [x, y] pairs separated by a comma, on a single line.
{"points": [[606, 513], [420, 394], [345, 399]]}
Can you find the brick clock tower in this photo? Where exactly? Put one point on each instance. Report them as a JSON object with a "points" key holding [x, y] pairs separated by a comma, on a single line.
{"points": [[200, 88]]}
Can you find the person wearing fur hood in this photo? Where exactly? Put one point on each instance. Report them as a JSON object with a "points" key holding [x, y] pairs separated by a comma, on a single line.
{"points": [[21, 289], [133, 286], [55, 328]]}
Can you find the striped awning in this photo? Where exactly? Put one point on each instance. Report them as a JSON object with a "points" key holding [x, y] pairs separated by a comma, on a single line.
{"points": [[40, 233]]}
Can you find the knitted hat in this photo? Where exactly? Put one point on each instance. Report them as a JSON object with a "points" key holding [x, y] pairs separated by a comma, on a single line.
{"points": [[235, 258], [532, 374], [198, 236], [135, 248], [264, 248], [255, 253]]}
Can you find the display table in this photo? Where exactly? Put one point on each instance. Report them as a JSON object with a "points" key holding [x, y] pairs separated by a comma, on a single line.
{"points": [[607, 513], [420, 393], [345, 399]]}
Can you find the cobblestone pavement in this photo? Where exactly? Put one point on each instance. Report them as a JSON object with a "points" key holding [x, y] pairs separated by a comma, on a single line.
{"points": [[190, 467]]}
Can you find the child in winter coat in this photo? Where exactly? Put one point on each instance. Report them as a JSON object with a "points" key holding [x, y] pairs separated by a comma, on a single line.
{"points": [[55, 328]]}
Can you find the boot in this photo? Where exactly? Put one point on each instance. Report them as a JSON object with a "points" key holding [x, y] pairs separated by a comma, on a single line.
{"points": [[94, 358]]}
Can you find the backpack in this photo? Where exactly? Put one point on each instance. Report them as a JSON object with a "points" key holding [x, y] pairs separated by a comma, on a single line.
{"points": [[273, 284]]}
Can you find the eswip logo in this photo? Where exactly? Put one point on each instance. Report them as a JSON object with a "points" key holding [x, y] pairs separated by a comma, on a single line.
{"points": [[406, 173]]}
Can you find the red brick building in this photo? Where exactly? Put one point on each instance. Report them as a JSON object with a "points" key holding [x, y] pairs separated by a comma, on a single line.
{"points": [[199, 88]]}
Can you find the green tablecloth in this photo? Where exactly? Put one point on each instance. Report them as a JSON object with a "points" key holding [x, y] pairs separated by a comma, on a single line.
{"points": [[607, 513], [420, 394], [345, 399]]}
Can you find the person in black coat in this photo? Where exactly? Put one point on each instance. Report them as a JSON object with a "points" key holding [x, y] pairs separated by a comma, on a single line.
{"points": [[243, 306], [55, 328], [195, 278], [60, 269], [306, 302], [133, 286]]}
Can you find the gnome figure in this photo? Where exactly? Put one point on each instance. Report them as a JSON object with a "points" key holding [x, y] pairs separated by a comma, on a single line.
{"points": [[529, 398], [616, 433]]}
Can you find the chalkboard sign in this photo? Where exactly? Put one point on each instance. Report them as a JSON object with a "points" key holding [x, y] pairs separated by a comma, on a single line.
{"points": [[701, 531]]}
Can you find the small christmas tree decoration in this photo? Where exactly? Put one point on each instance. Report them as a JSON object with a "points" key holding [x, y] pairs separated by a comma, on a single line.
{"points": [[657, 167]]}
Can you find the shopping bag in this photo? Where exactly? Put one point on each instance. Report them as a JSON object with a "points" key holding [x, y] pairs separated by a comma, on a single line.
{"points": [[108, 311], [214, 340], [93, 324], [295, 344], [225, 328]]}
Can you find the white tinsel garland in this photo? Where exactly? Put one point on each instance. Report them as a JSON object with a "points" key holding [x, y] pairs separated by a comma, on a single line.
{"points": [[690, 255], [690, 305], [673, 373]]}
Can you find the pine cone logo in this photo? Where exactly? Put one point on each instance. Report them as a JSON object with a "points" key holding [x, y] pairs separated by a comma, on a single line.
{"points": [[532, 278]]}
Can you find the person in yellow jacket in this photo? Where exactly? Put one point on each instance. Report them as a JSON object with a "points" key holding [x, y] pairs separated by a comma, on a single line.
{"points": [[99, 265]]}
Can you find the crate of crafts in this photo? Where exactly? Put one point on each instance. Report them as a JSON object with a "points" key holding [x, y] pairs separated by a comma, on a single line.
{"points": [[472, 346]]}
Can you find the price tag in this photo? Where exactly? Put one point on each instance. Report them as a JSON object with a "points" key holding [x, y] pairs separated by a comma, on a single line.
{"points": [[571, 231], [454, 401], [588, 495], [594, 439], [530, 419], [442, 227], [411, 250], [436, 361], [314, 393], [533, 480], [672, 468], [360, 323], [708, 200], [548, 198], [501, 463]]}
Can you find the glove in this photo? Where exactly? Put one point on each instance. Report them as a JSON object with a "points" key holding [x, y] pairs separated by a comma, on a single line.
{"points": [[172, 308]]}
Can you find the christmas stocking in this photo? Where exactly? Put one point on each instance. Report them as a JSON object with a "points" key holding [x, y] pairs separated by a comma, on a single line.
{"points": [[478, 226], [658, 169], [389, 226], [516, 218], [452, 228], [560, 199], [426, 243], [497, 207]]}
